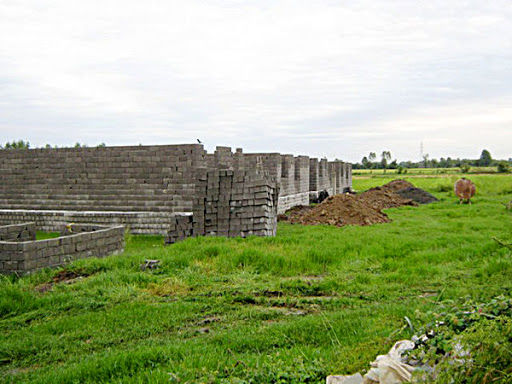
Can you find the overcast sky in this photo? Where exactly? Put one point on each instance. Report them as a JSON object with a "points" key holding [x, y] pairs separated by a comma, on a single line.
{"points": [[333, 78]]}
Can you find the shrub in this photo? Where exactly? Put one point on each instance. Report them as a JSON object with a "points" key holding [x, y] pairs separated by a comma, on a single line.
{"points": [[465, 168], [503, 167]]}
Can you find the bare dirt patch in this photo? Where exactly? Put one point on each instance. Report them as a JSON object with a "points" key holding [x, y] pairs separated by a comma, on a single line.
{"points": [[63, 276]]}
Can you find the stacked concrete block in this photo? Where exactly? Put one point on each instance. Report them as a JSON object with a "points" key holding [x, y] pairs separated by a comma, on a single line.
{"points": [[253, 205], [180, 228], [77, 242], [347, 184], [143, 187], [199, 211], [269, 162], [324, 183], [233, 203], [138, 223], [314, 169], [152, 178]]}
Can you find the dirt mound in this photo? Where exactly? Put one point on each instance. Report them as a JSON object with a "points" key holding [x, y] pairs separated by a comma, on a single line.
{"points": [[341, 210], [418, 195], [381, 198], [293, 212], [397, 185], [363, 209]]}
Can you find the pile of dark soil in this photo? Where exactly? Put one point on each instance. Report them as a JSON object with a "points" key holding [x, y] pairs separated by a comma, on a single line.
{"points": [[418, 195], [292, 212], [340, 210], [381, 198], [363, 209], [397, 185]]}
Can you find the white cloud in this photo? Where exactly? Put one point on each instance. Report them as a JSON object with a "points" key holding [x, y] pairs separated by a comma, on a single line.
{"points": [[334, 78]]}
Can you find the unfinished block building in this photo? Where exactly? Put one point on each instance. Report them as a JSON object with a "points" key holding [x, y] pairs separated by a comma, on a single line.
{"points": [[175, 190]]}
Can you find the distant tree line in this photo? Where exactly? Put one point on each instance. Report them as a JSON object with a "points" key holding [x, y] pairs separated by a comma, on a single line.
{"points": [[21, 144], [485, 160]]}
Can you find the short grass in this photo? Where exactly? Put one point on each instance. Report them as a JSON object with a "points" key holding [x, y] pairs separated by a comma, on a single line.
{"points": [[310, 302], [40, 235]]}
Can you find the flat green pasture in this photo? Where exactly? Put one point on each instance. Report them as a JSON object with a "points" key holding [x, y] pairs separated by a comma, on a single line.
{"points": [[424, 171], [310, 302]]}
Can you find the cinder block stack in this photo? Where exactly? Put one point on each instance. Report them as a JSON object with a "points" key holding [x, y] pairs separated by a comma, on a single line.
{"points": [[258, 210], [232, 203], [198, 209], [180, 227]]}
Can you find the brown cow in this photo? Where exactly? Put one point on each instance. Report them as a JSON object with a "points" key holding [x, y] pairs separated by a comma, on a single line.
{"points": [[465, 190]]}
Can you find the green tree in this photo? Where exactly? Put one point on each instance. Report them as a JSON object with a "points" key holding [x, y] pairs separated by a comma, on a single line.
{"points": [[425, 160], [385, 157], [20, 144], [485, 158]]}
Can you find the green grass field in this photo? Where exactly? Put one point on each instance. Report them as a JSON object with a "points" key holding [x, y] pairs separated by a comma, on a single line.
{"points": [[310, 302], [424, 171]]}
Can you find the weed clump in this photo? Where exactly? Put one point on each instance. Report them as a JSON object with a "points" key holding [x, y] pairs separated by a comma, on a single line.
{"points": [[471, 343]]}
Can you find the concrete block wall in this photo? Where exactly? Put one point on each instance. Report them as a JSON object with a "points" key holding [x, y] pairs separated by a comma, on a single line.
{"points": [[77, 242], [324, 183], [142, 187], [138, 223], [138, 178], [340, 176], [314, 169], [18, 232]]}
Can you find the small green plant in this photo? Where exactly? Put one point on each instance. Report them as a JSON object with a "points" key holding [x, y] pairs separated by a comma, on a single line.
{"points": [[465, 168], [468, 343]]}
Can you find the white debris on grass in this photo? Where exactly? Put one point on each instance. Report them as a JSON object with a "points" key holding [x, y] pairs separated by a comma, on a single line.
{"points": [[386, 369]]}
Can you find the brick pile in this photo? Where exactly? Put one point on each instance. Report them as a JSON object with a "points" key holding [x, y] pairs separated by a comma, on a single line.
{"points": [[180, 228], [231, 203]]}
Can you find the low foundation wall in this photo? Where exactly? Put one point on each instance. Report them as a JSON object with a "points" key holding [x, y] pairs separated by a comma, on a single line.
{"points": [[290, 201], [18, 232], [78, 242], [137, 223]]}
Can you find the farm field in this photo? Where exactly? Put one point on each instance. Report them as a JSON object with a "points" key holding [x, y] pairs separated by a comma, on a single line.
{"points": [[424, 171], [310, 302]]}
